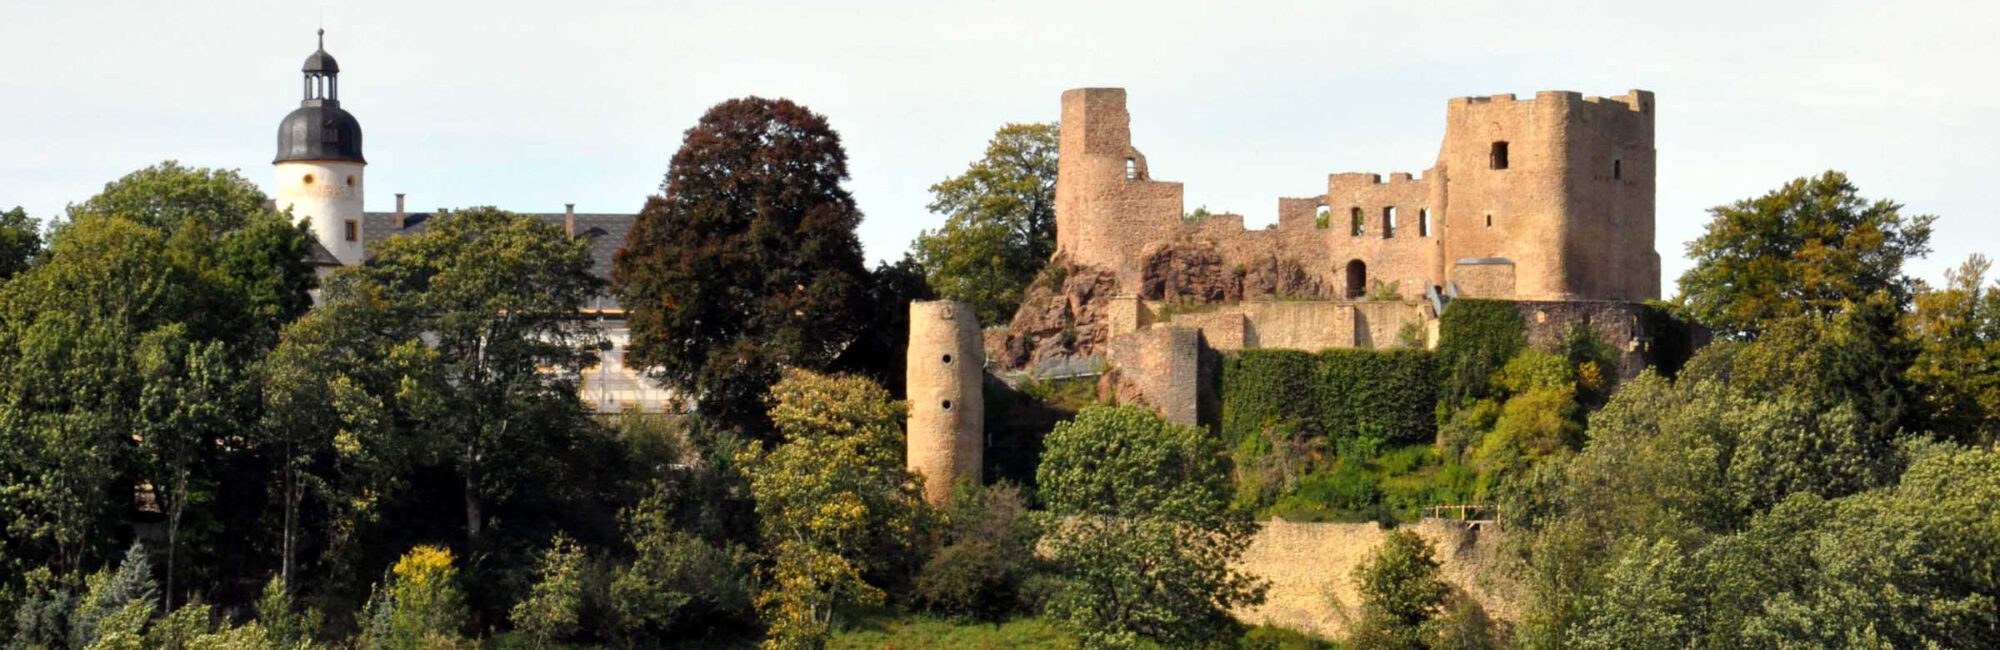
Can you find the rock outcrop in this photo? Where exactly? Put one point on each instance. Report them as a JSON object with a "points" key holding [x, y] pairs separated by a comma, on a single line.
{"points": [[1062, 321], [1193, 270]]}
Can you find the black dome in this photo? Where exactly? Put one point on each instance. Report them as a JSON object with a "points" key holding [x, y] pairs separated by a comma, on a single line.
{"points": [[320, 132], [320, 61]]}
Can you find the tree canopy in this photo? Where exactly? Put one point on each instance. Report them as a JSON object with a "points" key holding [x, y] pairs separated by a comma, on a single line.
{"points": [[1804, 248], [1000, 223], [747, 261]]}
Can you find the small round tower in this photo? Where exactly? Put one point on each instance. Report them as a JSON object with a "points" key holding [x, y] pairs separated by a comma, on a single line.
{"points": [[319, 161], [946, 433]]}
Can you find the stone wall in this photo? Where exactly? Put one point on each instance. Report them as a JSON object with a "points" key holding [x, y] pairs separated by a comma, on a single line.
{"points": [[1311, 570], [1561, 186]]}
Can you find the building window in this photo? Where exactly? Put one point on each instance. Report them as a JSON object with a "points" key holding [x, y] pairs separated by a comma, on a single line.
{"points": [[1323, 218], [947, 359], [946, 405], [1360, 225], [1423, 222], [1489, 221], [350, 180], [1131, 169], [308, 179], [1617, 169], [353, 230], [1388, 222], [1499, 159], [1357, 279]]}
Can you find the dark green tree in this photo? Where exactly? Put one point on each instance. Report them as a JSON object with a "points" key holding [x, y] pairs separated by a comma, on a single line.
{"points": [[1805, 248], [1401, 592], [747, 261], [1000, 223], [497, 296], [20, 241]]}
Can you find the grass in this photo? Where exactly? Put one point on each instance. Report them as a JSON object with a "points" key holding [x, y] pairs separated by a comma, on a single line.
{"points": [[1391, 486], [887, 631]]}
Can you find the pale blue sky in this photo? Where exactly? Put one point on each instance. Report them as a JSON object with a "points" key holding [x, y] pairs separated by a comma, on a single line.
{"points": [[528, 105]]}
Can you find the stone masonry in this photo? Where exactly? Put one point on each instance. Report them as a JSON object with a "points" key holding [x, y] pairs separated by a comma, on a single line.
{"points": [[946, 437]]}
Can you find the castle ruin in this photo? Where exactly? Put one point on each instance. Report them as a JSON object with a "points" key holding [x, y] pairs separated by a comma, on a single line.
{"points": [[1548, 202]]}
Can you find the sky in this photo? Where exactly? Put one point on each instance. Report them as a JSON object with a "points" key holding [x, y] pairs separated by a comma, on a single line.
{"points": [[530, 105]]}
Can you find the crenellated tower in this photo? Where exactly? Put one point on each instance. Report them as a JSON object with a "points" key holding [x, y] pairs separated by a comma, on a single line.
{"points": [[319, 163]]}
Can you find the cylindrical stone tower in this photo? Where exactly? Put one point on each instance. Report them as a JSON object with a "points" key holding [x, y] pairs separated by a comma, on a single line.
{"points": [[947, 438]]}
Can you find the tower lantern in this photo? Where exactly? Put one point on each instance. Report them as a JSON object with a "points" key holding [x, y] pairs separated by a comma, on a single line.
{"points": [[319, 163]]}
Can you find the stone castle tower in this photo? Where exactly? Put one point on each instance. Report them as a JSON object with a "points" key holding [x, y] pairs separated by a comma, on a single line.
{"points": [[946, 432], [1544, 199], [319, 163]]}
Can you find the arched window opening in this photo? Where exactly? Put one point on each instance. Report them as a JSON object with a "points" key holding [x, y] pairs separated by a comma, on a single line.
{"points": [[1357, 279]]}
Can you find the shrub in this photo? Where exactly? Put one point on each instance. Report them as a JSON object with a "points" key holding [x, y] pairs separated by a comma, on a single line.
{"points": [[1344, 493], [1475, 338], [988, 554], [1366, 395], [418, 604], [110, 594], [553, 610], [679, 587], [1401, 591]]}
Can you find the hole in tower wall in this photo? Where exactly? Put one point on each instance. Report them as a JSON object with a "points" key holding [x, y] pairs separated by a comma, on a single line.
{"points": [[350, 180], [1617, 170], [947, 359], [947, 405], [309, 179]]}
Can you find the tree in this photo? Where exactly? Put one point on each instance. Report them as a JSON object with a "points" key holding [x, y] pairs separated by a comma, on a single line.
{"points": [[1144, 539], [344, 396], [747, 261], [1401, 593], [986, 556], [20, 242], [1956, 329], [880, 353], [1804, 248], [497, 297], [189, 399], [1000, 223], [553, 609], [838, 511]]}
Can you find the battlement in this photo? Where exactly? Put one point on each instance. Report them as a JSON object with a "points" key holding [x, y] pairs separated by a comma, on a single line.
{"points": [[1637, 101], [1354, 179]]}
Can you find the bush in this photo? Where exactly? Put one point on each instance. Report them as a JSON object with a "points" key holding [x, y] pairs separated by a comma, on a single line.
{"points": [[1475, 338], [1345, 493], [109, 595], [988, 554], [677, 585], [418, 604], [1401, 591], [553, 610], [1366, 396]]}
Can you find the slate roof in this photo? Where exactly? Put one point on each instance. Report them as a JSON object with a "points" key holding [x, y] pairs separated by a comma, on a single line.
{"points": [[606, 231]]}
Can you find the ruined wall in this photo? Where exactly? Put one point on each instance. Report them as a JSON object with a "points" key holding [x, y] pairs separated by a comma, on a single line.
{"points": [[1162, 367], [945, 436], [1311, 569], [1570, 203]]}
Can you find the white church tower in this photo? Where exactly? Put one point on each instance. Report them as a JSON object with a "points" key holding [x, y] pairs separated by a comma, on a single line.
{"points": [[319, 161]]}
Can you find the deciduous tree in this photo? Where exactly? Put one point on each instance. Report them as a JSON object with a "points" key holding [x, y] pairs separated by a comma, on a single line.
{"points": [[1804, 248], [1000, 223], [746, 262]]}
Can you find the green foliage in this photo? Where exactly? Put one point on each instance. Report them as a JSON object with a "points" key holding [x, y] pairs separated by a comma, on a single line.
{"points": [[880, 351], [20, 242], [553, 610], [677, 585], [986, 557], [747, 262], [283, 620], [1956, 329], [838, 512], [1673, 337], [1144, 538], [1340, 395], [418, 604], [1475, 338], [1805, 248], [120, 601], [1000, 226], [1401, 592]]}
